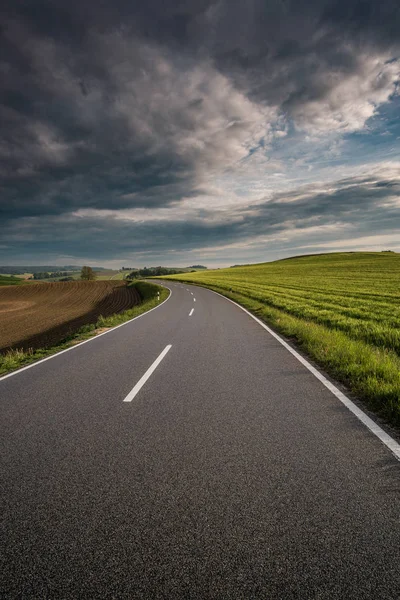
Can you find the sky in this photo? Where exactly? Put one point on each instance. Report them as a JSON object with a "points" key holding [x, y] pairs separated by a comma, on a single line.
{"points": [[197, 131]]}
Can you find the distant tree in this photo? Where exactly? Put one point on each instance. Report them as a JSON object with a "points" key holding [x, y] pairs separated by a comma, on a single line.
{"points": [[132, 275], [88, 274]]}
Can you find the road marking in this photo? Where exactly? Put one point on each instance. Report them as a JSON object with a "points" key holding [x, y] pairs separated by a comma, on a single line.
{"points": [[194, 299], [191, 293], [95, 337], [145, 377], [191, 312], [384, 437]]}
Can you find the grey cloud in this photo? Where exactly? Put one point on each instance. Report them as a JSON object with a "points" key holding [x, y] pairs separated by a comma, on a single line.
{"points": [[116, 114], [363, 207], [120, 105]]}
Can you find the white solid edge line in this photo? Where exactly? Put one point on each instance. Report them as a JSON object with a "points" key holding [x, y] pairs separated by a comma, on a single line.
{"points": [[384, 437], [191, 312], [95, 337], [145, 377]]}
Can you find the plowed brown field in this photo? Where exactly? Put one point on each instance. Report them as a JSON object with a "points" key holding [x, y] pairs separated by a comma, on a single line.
{"points": [[40, 315]]}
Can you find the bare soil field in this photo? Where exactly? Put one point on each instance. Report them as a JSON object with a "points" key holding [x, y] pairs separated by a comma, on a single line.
{"points": [[41, 315]]}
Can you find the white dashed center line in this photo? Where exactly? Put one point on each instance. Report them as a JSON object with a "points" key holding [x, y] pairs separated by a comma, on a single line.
{"points": [[145, 377], [191, 312]]}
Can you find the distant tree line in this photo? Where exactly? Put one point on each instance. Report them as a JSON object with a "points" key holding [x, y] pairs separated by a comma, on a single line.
{"points": [[153, 272], [51, 274], [20, 270]]}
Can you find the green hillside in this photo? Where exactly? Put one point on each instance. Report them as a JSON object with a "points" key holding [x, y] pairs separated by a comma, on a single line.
{"points": [[342, 308]]}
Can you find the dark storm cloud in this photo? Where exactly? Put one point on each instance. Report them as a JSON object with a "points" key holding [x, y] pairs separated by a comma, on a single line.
{"points": [[107, 111], [123, 105]]}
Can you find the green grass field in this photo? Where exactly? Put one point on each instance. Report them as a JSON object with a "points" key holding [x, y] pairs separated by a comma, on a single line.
{"points": [[343, 309], [10, 280], [112, 275]]}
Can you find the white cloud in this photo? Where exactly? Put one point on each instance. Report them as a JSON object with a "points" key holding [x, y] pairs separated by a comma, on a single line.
{"points": [[185, 108], [366, 243], [351, 97]]}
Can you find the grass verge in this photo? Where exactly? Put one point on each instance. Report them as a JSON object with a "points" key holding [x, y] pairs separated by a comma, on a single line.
{"points": [[15, 359]]}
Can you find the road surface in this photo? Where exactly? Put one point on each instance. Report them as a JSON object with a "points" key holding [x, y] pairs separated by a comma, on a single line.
{"points": [[188, 454]]}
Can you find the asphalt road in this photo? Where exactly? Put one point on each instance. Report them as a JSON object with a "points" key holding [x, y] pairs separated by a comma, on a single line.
{"points": [[232, 472]]}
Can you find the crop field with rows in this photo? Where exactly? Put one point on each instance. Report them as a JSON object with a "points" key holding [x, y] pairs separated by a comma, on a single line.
{"points": [[40, 315], [343, 308]]}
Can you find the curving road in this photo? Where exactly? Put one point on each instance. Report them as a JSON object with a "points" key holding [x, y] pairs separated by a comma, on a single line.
{"points": [[188, 454]]}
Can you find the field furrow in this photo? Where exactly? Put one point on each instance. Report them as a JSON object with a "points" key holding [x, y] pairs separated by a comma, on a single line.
{"points": [[40, 315]]}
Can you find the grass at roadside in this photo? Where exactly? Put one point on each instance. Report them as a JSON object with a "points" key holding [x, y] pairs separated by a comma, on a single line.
{"points": [[15, 359], [342, 309], [148, 293]]}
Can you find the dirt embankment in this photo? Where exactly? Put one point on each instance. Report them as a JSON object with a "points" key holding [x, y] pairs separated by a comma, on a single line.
{"points": [[41, 315]]}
